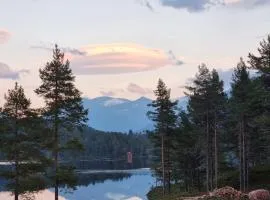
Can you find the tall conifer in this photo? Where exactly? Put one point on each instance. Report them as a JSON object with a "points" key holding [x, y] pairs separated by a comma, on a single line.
{"points": [[63, 111], [164, 116]]}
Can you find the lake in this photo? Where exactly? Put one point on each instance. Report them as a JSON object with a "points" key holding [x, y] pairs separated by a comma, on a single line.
{"points": [[111, 185]]}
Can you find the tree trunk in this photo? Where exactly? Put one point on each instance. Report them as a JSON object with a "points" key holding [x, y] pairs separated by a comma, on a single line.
{"points": [[198, 180], [162, 163], [169, 181], [56, 186], [56, 118], [211, 162], [56, 162], [169, 165], [16, 191], [244, 156], [207, 153], [240, 156], [186, 181], [247, 162], [216, 154], [210, 165]]}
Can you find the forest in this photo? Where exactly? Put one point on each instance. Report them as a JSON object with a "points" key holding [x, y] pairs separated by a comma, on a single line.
{"points": [[108, 150], [222, 138]]}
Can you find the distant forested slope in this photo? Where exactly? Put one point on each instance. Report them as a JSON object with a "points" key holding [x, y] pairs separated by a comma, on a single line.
{"points": [[108, 150]]}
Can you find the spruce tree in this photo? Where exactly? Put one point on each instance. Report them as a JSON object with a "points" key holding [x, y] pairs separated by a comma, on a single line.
{"points": [[206, 102], [239, 103], [199, 110], [63, 112], [218, 100], [21, 144], [164, 116]]}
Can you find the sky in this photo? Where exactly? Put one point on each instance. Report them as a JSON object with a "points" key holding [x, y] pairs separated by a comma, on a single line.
{"points": [[120, 48]]}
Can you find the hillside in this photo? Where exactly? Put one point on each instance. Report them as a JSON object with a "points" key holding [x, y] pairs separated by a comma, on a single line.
{"points": [[122, 115]]}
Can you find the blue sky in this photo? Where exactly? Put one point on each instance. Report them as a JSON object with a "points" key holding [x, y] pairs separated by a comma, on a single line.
{"points": [[121, 47]]}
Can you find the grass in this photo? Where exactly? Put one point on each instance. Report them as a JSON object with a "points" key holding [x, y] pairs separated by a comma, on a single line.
{"points": [[176, 193]]}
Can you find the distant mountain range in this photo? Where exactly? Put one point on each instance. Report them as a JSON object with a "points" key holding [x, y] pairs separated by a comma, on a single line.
{"points": [[121, 115]]}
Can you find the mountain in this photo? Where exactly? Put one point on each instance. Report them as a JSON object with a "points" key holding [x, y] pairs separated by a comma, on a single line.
{"points": [[118, 114]]}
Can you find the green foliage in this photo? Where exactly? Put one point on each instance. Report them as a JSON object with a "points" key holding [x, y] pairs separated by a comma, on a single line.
{"points": [[63, 111], [164, 109], [206, 108], [221, 140], [21, 143], [259, 177], [108, 150], [177, 193], [261, 63], [164, 116]]}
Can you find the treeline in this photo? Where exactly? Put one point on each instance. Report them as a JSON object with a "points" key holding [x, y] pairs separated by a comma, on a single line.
{"points": [[108, 150], [219, 132]]}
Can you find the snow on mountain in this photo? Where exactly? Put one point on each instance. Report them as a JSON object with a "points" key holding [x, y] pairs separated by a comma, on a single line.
{"points": [[113, 102]]}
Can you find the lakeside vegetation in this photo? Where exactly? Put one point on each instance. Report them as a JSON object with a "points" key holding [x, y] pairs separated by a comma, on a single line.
{"points": [[259, 178], [221, 139]]}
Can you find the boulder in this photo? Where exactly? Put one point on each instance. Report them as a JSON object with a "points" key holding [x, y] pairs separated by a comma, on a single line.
{"points": [[260, 194]]}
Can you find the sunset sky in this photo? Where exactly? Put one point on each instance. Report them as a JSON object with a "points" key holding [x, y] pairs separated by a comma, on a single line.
{"points": [[120, 48]]}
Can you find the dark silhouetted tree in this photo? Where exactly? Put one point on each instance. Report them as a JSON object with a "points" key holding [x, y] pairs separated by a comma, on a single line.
{"points": [[63, 112], [164, 116]]}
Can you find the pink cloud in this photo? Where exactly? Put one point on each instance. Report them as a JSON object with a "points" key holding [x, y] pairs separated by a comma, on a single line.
{"points": [[119, 58], [4, 36]]}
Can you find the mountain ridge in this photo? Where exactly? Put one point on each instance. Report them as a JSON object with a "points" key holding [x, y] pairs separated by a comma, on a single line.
{"points": [[120, 114]]}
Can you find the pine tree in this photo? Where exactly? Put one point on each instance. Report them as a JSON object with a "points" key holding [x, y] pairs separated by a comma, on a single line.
{"points": [[164, 116], [199, 110], [64, 112], [239, 103], [218, 100], [205, 107], [21, 143]]}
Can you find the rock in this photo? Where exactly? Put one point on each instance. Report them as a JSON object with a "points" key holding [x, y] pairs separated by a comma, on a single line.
{"points": [[260, 194], [227, 192]]}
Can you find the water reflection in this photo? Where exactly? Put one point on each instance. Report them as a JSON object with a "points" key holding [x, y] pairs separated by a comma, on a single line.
{"points": [[126, 185], [85, 179], [108, 185], [104, 165]]}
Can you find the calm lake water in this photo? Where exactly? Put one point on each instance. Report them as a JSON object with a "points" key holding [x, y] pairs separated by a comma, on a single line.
{"points": [[102, 185], [112, 185]]}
